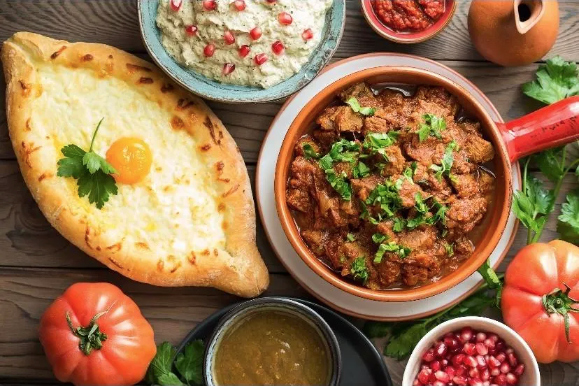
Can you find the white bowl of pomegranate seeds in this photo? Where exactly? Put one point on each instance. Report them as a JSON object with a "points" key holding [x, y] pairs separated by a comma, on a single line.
{"points": [[472, 351]]}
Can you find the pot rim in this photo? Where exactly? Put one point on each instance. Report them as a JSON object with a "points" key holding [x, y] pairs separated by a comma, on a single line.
{"points": [[468, 266]]}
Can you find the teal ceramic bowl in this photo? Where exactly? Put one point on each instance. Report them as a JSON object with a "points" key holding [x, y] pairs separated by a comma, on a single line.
{"points": [[211, 89]]}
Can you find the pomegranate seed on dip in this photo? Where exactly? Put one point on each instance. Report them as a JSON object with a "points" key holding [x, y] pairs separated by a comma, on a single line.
{"points": [[234, 28]]}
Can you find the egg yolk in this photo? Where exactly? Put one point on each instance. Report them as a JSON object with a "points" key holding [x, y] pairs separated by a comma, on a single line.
{"points": [[132, 158]]}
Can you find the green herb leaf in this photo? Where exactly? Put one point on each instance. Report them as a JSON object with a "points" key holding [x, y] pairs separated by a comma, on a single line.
{"points": [[447, 161], [360, 170], [386, 195], [169, 379], [92, 172], [534, 204], [449, 248], [440, 214], [359, 270], [378, 238], [401, 345], [339, 184], [378, 141], [355, 105], [556, 80], [189, 363], [432, 126], [161, 365], [350, 237], [390, 247], [377, 329], [568, 225], [410, 171], [399, 224], [309, 151], [551, 163]]}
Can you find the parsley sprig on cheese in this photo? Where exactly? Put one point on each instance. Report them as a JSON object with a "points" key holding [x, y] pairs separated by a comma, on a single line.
{"points": [[92, 172]]}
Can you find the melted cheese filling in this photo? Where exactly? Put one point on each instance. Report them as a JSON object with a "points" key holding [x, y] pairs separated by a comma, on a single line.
{"points": [[173, 210]]}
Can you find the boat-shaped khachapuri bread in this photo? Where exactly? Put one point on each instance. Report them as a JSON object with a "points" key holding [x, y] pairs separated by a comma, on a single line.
{"points": [[132, 169]]}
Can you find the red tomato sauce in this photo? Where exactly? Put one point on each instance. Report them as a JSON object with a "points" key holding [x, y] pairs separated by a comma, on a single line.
{"points": [[408, 15]]}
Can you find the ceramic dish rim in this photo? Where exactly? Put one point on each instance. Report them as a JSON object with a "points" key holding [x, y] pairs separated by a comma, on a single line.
{"points": [[245, 95]]}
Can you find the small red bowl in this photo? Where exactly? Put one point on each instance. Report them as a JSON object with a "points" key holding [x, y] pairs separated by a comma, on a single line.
{"points": [[407, 37]]}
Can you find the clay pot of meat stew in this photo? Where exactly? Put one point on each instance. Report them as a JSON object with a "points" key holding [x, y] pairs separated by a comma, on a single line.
{"points": [[548, 127]]}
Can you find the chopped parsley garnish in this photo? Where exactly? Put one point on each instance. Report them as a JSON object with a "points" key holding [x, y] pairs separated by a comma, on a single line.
{"points": [[399, 224], [355, 105], [341, 151], [359, 270], [440, 214], [386, 195], [360, 170], [92, 172], [350, 237], [378, 238], [410, 171], [420, 205], [449, 249], [376, 143], [447, 161], [432, 126], [403, 252], [309, 151]]}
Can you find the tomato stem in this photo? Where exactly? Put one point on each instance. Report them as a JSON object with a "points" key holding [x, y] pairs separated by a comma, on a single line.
{"points": [[559, 302], [90, 336]]}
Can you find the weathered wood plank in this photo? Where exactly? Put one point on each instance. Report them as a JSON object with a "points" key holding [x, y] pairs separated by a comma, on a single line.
{"points": [[27, 239], [248, 123], [173, 312], [115, 22]]}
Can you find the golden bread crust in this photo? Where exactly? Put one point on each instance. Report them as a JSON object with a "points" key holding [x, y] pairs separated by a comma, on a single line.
{"points": [[237, 269]]}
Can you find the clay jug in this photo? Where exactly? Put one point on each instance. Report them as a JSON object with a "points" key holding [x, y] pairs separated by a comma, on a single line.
{"points": [[513, 32]]}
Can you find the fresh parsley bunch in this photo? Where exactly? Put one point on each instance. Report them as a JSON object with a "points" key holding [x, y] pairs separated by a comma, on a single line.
{"points": [[92, 172], [189, 365]]}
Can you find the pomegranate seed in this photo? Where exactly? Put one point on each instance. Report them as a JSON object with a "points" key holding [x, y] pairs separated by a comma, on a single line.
{"points": [[494, 338], [428, 356], [485, 375], [277, 47], [489, 343], [500, 380], [475, 382], [435, 365], [191, 30], [228, 68], [512, 379], [228, 37], [440, 349], [209, 50], [239, 4], [260, 59], [424, 375], [244, 51], [512, 359], [450, 342], [416, 383], [481, 336], [505, 368], [459, 380], [481, 349], [450, 371], [501, 357], [271, 1], [442, 376], [255, 33], [469, 349], [470, 361], [176, 5], [424, 367], [480, 360], [519, 370], [438, 383], [444, 362], [499, 346], [493, 362], [285, 18], [465, 334], [495, 371], [509, 350], [457, 359], [307, 34], [209, 5], [461, 370], [473, 373]]}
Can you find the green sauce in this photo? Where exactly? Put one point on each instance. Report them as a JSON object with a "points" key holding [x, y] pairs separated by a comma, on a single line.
{"points": [[272, 348]]}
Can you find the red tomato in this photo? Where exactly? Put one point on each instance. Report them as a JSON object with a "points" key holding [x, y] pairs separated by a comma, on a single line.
{"points": [[117, 352], [541, 284]]}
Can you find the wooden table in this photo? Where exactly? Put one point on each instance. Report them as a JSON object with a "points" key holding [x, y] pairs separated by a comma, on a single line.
{"points": [[37, 264]]}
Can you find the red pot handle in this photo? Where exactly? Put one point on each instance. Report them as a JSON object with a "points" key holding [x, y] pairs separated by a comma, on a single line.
{"points": [[551, 126]]}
